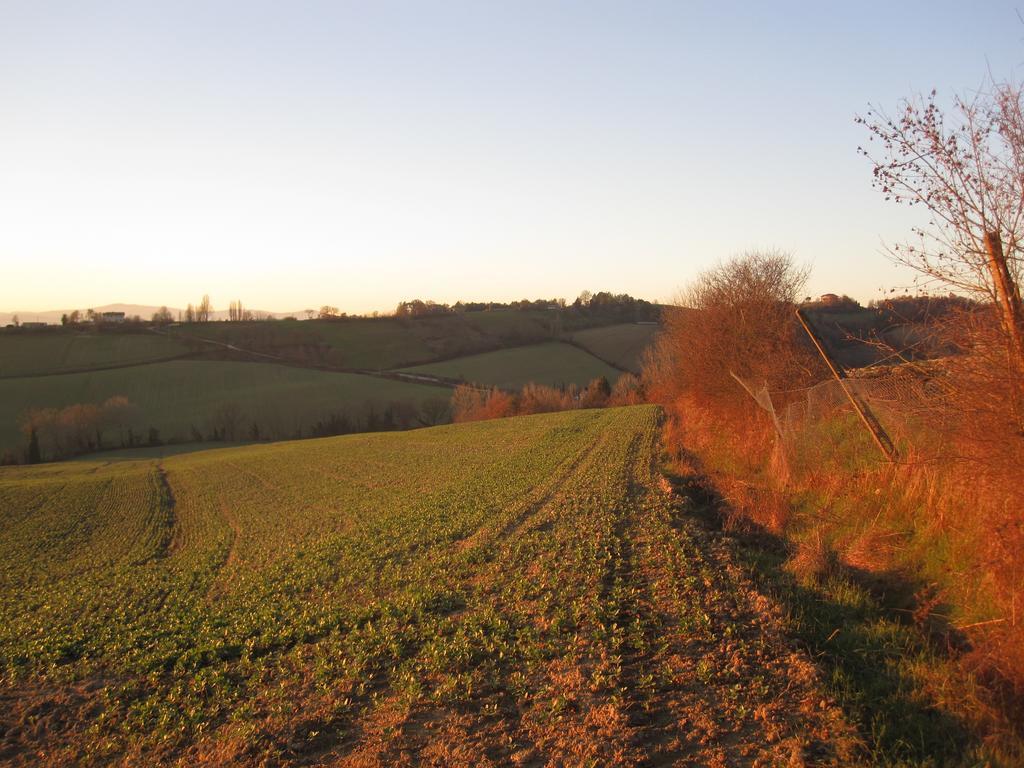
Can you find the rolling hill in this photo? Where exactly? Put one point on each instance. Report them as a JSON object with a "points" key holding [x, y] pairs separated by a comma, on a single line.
{"points": [[52, 352], [283, 379], [145, 311], [383, 343], [553, 364], [180, 396], [622, 345]]}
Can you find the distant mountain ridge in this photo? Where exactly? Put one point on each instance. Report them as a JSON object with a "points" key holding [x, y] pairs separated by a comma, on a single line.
{"points": [[145, 311]]}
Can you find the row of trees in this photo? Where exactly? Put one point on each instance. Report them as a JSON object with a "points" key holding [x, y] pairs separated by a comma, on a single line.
{"points": [[622, 307], [53, 434], [238, 314], [475, 404], [200, 313], [79, 317], [603, 304], [58, 433]]}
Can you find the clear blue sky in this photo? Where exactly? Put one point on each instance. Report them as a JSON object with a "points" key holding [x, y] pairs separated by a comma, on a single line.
{"points": [[298, 153]]}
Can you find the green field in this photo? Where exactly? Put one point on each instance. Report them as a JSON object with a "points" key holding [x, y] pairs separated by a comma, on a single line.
{"points": [[519, 591], [177, 395], [554, 364], [622, 345], [30, 353], [181, 398], [381, 343]]}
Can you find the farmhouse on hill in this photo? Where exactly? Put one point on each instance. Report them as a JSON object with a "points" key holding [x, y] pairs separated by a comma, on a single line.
{"points": [[112, 317]]}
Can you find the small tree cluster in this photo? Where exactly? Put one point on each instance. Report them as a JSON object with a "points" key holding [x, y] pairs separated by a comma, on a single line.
{"points": [[476, 404], [79, 428], [237, 313], [162, 316]]}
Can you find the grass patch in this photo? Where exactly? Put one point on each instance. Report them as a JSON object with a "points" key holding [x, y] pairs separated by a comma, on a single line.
{"points": [[622, 344], [552, 364], [57, 351], [382, 343]]}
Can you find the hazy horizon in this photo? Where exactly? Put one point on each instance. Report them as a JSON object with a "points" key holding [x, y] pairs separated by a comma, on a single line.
{"points": [[359, 155]]}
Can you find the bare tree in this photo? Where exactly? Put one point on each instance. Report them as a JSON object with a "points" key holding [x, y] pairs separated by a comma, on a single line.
{"points": [[237, 313], [226, 422], [434, 410], [162, 316], [204, 310], [118, 413], [965, 166]]}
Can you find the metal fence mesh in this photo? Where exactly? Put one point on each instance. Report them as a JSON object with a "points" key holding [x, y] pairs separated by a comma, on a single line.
{"points": [[821, 420]]}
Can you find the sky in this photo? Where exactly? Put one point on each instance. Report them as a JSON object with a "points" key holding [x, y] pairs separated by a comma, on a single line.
{"points": [[358, 154]]}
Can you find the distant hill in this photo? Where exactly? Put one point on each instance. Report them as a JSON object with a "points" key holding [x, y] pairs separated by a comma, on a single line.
{"points": [[145, 311], [183, 381]]}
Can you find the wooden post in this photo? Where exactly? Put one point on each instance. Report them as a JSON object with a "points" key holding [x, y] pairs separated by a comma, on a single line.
{"points": [[878, 434], [1008, 296]]}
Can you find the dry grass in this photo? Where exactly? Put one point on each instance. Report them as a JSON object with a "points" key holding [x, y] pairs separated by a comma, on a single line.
{"points": [[948, 526], [813, 559]]}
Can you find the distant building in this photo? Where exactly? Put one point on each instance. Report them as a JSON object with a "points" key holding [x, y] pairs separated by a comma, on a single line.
{"points": [[32, 325], [829, 299], [112, 317]]}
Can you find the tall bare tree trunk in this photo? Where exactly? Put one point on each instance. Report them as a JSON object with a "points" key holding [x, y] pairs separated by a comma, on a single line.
{"points": [[1008, 298]]}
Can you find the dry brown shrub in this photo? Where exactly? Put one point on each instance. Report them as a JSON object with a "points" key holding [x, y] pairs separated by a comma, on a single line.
{"points": [[813, 559], [499, 405], [627, 391], [872, 549], [536, 398], [737, 318], [467, 404], [753, 507], [473, 404]]}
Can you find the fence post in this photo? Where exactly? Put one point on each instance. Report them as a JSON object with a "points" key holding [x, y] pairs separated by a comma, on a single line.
{"points": [[878, 434], [1007, 295]]}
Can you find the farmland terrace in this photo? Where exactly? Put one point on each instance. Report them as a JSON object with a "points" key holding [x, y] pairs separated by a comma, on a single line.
{"points": [[287, 379]]}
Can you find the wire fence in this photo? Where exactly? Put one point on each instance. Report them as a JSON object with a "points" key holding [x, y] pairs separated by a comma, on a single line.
{"points": [[822, 422]]}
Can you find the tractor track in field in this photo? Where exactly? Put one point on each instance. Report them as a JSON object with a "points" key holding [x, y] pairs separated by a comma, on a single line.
{"points": [[516, 523], [688, 697], [650, 720], [378, 710], [168, 504], [231, 555]]}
